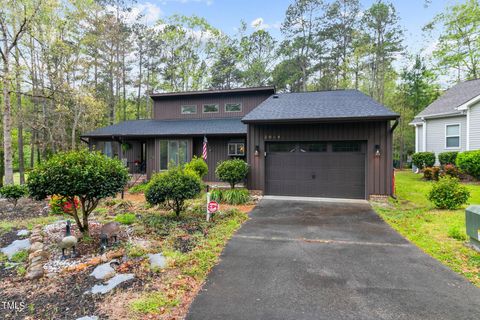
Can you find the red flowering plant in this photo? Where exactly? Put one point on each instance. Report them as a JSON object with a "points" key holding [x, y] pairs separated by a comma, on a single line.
{"points": [[61, 205]]}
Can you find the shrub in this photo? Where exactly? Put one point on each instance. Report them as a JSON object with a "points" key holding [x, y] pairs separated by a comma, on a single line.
{"points": [[232, 171], [448, 193], [13, 192], [428, 173], [138, 188], [216, 195], [451, 170], [447, 158], [172, 188], [469, 162], [236, 196], [61, 205], [198, 165], [423, 159], [125, 218], [88, 176]]}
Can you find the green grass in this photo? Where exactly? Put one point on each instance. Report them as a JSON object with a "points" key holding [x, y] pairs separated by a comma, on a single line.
{"points": [[152, 302], [8, 225], [440, 233]]}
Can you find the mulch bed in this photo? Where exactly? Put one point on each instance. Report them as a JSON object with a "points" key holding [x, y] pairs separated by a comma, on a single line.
{"points": [[25, 209]]}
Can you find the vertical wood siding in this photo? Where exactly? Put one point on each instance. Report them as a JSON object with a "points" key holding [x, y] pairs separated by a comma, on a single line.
{"points": [[170, 108], [475, 127], [378, 171], [153, 153]]}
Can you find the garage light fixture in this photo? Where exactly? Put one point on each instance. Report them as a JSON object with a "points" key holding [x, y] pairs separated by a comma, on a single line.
{"points": [[257, 151], [377, 150]]}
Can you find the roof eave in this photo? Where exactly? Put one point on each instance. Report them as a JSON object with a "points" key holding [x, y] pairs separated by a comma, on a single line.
{"points": [[319, 120], [270, 89]]}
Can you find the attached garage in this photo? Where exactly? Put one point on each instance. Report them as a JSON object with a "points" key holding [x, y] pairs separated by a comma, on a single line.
{"points": [[333, 144], [316, 169]]}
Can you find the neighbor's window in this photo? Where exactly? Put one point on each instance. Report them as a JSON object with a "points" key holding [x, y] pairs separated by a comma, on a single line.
{"points": [[452, 136], [189, 109], [173, 152], [236, 149], [210, 108], [233, 107]]}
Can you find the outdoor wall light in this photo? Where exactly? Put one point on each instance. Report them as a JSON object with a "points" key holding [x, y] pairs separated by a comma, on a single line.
{"points": [[377, 150], [257, 151]]}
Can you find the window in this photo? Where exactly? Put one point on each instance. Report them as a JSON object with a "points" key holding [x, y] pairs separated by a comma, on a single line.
{"points": [[173, 152], [236, 149], [346, 146], [210, 108], [189, 109], [282, 147], [452, 136], [313, 147], [107, 149], [233, 107]]}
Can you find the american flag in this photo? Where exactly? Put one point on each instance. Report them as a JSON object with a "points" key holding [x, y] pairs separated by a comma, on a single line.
{"points": [[204, 151]]}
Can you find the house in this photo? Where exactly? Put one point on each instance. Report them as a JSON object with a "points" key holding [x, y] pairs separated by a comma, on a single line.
{"points": [[452, 122], [325, 144]]}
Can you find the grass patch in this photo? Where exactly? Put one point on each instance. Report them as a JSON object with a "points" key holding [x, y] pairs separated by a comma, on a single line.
{"points": [[152, 302], [20, 256], [8, 225], [439, 233], [138, 188], [125, 218]]}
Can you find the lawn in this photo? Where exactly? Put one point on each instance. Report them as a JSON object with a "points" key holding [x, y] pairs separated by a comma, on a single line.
{"points": [[439, 233]]}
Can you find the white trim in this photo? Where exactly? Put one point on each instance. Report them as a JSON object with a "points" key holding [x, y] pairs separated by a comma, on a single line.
{"points": [[467, 147], [210, 104], [459, 136], [230, 103], [188, 105], [424, 135], [470, 102], [416, 139]]}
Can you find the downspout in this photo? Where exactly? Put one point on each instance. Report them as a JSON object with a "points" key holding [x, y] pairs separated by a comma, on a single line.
{"points": [[395, 124]]}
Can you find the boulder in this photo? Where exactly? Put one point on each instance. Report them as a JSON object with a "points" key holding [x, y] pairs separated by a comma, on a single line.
{"points": [[35, 273], [23, 233], [111, 284], [157, 260], [103, 271], [15, 247]]}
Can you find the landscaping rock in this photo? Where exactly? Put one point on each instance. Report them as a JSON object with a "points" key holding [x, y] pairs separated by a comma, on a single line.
{"points": [[36, 246], [34, 273], [15, 247], [88, 318], [111, 284], [23, 233], [38, 253], [103, 271], [157, 260]]}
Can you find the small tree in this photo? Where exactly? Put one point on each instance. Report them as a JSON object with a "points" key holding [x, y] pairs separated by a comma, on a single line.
{"points": [[172, 188], [198, 165], [88, 176], [13, 192], [232, 171], [448, 193]]}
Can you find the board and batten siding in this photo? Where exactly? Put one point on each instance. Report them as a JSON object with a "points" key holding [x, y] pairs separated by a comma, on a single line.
{"points": [[153, 153], [475, 127], [436, 130], [379, 170], [419, 137], [170, 108]]}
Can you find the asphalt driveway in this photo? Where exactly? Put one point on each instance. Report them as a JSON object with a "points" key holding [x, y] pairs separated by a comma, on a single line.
{"points": [[318, 260]]}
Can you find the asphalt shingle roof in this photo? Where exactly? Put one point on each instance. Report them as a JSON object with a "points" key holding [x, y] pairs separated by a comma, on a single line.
{"points": [[453, 98], [336, 104], [171, 127]]}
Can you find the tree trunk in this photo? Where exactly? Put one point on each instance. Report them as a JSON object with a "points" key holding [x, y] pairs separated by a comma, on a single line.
{"points": [[7, 121], [21, 158], [139, 80]]}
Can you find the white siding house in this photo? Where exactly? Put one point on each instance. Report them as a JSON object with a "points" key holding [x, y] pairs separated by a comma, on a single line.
{"points": [[452, 122]]}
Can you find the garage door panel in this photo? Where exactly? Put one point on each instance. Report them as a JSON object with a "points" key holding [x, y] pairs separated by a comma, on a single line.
{"points": [[320, 174]]}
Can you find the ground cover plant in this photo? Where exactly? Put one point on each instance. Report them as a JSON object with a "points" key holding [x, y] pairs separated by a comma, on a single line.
{"points": [[438, 232]]}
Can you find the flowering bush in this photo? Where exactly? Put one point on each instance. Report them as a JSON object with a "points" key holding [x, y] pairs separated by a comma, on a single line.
{"points": [[61, 205]]}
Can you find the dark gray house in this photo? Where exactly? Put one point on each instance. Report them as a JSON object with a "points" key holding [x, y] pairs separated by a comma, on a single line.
{"points": [[325, 144]]}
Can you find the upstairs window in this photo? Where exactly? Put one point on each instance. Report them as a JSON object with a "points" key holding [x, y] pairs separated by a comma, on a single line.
{"points": [[452, 136], [236, 149], [210, 108], [190, 109], [233, 107]]}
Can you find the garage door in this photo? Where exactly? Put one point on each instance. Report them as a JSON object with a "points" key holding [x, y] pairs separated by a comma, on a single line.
{"points": [[316, 169]]}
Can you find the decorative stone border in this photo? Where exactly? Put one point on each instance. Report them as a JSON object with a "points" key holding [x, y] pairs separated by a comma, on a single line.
{"points": [[37, 255]]}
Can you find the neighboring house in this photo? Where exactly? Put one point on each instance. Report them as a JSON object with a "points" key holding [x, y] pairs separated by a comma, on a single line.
{"points": [[452, 122], [326, 144]]}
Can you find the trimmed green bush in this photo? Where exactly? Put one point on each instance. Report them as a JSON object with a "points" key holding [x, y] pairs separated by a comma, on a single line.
{"points": [[469, 162], [88, 176], [13, 192], [236, 196], [448, 193], [125, 218], [447, 158], [216, 195], [423, 159], [232, 171], [172, 188], [198, 165]]}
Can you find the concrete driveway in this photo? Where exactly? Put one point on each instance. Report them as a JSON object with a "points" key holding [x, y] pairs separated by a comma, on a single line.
{"points": [[319, 260]]}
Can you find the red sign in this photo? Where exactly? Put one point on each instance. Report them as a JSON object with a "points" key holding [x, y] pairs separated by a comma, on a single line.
{"points": [[212, 206]]}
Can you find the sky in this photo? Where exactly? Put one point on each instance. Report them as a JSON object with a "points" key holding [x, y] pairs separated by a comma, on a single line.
{"points": [[268, 14]]}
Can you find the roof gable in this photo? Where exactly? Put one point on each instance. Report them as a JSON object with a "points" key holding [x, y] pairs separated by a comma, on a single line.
{"points": [[453, 98], [321, 105]]}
